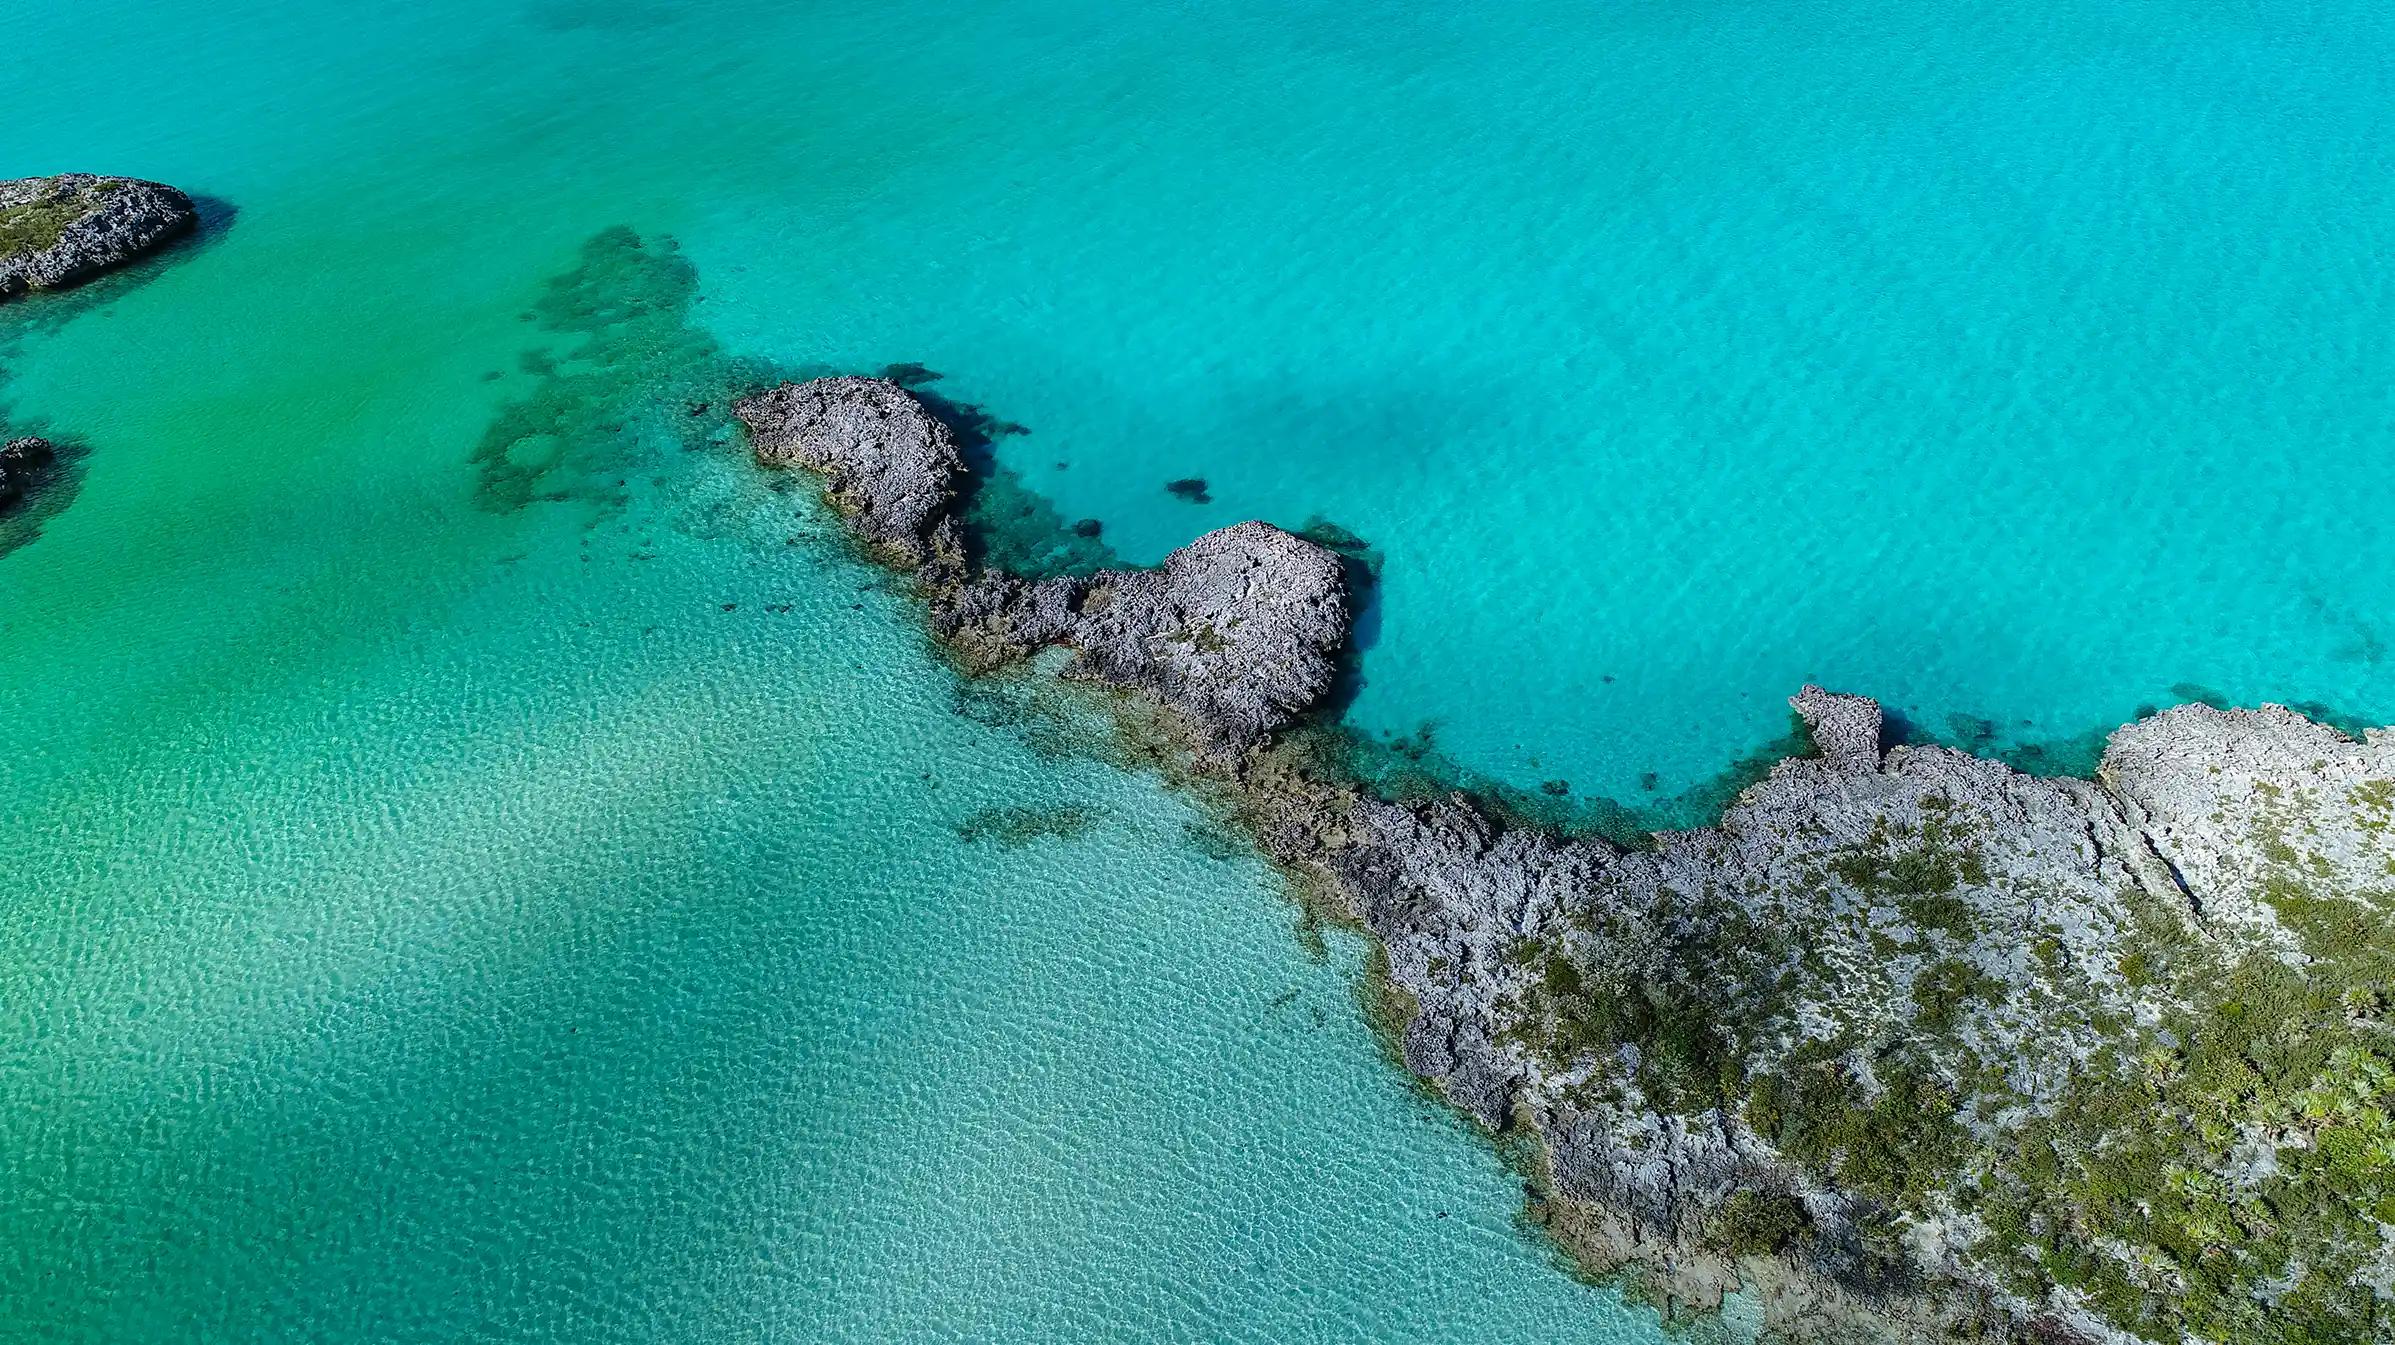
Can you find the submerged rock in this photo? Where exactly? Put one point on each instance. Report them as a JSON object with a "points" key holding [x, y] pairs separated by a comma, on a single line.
{"points": [[1910, 1045], [19, 460], [55, 231]]}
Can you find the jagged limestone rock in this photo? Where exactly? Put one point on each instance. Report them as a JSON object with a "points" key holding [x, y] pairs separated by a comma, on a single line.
{"points": [[55, 231], [887, 463], [1238, 632], [1912, 1045]]}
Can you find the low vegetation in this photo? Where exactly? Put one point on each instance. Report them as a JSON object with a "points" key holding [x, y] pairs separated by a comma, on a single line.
{"points": [[39, 223], [2219, 1168]]}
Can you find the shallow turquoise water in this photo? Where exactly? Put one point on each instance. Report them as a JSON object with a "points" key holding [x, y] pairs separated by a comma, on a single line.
{"points": [[605, 919], [431, 913]]}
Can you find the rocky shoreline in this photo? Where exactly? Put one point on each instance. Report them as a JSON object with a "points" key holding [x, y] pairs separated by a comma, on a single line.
{"points": [[58, 231], [1909, 1045]]}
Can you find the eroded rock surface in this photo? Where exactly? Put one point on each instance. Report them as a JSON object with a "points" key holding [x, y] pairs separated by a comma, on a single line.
{"points": [[2226, 796], [1916, 1043], [55, 231], [1909, 1044], [888, 464], [1238, 632]]}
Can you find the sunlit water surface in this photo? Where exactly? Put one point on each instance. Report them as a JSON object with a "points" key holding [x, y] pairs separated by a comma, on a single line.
{"points": [[480, 863]]}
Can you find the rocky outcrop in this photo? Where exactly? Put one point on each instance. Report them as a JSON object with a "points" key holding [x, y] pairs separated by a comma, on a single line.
{"points": [[888, 464], [1238, 632], [56, 231], [2215, 794], [19, 460], [1909, 1044], [1887, 997], [1601, 998], [1845, 728]]}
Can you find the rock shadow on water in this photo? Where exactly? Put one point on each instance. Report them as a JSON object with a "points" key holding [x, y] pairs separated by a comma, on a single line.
{"points": [[48, 487], [625, 380], [1361, 564], [1007, 524]]}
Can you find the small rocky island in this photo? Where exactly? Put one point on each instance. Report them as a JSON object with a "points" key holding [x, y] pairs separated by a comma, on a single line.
{"points": [[1909, 1045], [20, 459], [56, 231]]}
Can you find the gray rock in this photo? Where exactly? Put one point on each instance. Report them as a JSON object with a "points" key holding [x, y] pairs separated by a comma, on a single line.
{"points": [[888, 464], [1238, 632], [1869, 915], [2233, 800], [55, 231], [1811, 916], [1845, 728]]}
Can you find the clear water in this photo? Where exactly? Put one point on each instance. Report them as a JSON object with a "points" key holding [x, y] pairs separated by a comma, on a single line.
{"points": [[430, 913]]}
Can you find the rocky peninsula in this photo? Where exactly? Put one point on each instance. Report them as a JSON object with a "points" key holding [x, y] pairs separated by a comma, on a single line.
{"points": [[1909, 1045], [57, 231]]}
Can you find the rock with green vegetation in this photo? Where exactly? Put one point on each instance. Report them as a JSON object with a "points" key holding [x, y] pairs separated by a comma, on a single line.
{"points": [[2036, 1059], [1909, 1045], [55, 231]]}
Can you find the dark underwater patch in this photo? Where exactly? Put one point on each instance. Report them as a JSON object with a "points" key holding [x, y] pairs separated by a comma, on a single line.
{"points": [[1415, 767], [626, 379], [2319, 712], [2196, 693], [1012, 828]]}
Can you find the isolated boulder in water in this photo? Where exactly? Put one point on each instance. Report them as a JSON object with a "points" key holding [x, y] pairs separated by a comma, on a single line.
{"points": [[18, 460]]}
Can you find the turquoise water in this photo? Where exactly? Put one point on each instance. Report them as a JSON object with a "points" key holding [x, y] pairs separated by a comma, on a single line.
{"points": [[431, 912], [435, 916]]}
